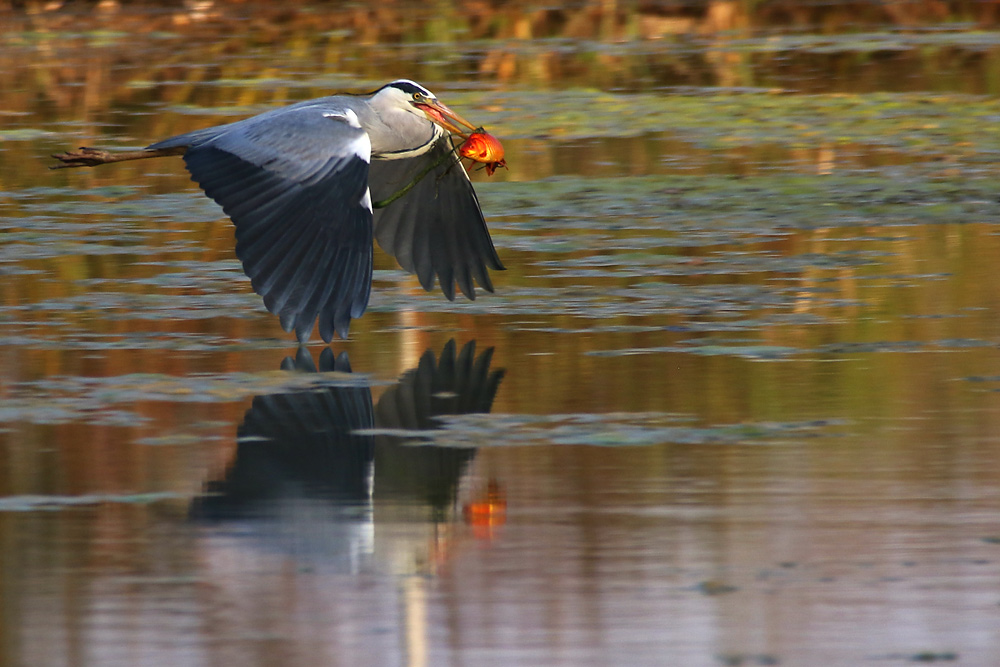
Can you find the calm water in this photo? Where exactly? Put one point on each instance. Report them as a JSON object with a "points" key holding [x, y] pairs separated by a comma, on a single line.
{"points": [[735, 402]]}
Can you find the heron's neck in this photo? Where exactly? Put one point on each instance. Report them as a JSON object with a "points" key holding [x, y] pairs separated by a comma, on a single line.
{"points": [[404, 135]]}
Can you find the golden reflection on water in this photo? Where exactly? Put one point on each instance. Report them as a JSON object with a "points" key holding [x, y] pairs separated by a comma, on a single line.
{"points": [[868, 534]]}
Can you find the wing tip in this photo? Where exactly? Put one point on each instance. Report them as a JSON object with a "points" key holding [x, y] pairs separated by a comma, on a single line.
{"points": [[342, 326], [303, 332]]}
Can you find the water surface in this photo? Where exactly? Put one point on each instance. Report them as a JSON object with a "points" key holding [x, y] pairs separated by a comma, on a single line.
{"points": [[735, 401]]}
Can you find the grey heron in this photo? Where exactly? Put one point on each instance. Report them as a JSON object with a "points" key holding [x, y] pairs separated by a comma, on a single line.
{"points": [[303, 186]]}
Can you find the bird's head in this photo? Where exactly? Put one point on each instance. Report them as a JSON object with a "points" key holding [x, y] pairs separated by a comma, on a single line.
{"points": [[414, 98]]}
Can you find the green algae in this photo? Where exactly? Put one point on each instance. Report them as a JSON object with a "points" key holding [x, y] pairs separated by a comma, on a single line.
{"points": [[916, 123], [111, 401], [702, 209], [34, 503], [614, 430]]}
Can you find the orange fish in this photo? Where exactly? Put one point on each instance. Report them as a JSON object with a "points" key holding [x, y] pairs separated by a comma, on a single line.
{"points": [[488, 511], [484, 147]]}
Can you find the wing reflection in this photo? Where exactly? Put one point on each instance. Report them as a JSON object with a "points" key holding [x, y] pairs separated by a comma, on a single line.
{"points": [[455, 385], [297, 445], [308, 469]]}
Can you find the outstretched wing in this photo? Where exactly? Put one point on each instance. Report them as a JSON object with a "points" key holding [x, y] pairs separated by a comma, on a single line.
{"points": [[437, 228], [295, 184]]}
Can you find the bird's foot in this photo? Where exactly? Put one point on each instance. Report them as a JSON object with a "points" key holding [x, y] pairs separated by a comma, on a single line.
{"points": [[82, 157]]}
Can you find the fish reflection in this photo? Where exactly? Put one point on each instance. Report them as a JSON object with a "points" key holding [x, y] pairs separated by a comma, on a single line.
{"points": [[315, 470]]}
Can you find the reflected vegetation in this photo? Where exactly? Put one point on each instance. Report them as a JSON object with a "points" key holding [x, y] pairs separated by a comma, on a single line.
{"points": [[199, 63]]}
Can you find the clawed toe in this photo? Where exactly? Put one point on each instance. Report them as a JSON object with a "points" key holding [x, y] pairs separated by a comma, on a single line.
{"points": [[82, 157]]}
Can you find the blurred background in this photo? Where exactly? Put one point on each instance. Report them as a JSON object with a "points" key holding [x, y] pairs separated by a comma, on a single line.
{"points": [[734, 402]]}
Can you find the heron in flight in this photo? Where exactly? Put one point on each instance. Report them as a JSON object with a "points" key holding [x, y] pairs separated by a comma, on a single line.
{"points": [[309, 185]]}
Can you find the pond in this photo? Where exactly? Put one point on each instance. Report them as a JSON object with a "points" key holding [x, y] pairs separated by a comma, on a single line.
{"points": [[735, 400]]}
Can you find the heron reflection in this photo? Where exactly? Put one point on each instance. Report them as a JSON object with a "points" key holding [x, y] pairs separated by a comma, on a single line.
{"points": [[328, 457]]}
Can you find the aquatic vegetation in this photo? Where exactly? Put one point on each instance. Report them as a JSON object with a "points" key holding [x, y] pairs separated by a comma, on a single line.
{"points": [[613, 430], [105, 400], [918, 123]]}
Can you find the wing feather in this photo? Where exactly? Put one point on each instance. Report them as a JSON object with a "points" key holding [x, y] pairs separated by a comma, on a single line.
{"points": [[437, 229], [312, 306], [294, 185]]}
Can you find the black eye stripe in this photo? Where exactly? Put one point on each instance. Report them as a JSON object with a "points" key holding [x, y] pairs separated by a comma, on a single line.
{"points": [[409, 87]]}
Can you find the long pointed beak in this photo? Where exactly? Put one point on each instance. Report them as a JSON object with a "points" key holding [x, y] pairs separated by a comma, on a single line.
{"points": [[444, 116]]}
